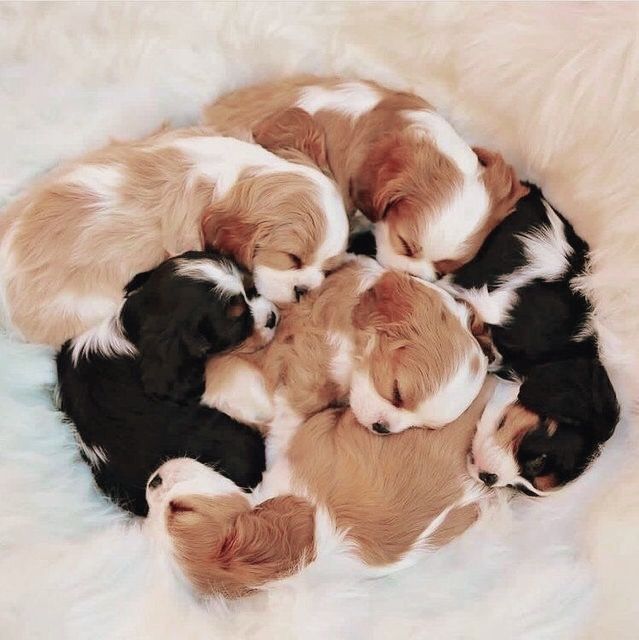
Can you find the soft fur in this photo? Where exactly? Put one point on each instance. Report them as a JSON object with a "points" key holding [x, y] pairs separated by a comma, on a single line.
{"points": [[432, 197], [132, 397], [337, 496], [74, 239], [399, 350], [524, 283], [564, 113]]}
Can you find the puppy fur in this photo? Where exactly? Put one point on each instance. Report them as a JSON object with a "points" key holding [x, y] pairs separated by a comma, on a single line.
{"points": [[432, 197], [131, 388], [398, 349], [70, 244], [340, 497], [524, 283]]}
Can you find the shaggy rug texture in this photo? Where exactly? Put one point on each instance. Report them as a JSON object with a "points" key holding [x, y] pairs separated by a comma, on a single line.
{"points": [[551, 86]]}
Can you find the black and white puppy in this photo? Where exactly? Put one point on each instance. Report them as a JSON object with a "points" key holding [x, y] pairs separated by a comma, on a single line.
{"points": [[542, 430], [131, 387], [541, 433]]}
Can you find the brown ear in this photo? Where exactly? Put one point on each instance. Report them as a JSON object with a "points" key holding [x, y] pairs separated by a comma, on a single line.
{"points": [[225, 547], [229, 234], [378, 184], [294, 129], [482, 333], [382, 305], [502, 184]]}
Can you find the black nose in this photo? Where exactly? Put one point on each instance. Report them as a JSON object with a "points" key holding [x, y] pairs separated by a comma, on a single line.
{"points": [[299, 292], [380, 427], [488, 479], [155, 481], [271, 321]]}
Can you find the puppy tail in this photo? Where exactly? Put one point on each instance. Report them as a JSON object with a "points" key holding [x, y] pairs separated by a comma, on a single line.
{"points": [[225, 547]]}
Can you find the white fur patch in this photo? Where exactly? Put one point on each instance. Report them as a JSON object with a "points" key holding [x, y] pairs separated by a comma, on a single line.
{"points": [[352, 99], [107, 339], [222, 274], [370, 273], [102, 180], [341, 366], [447, 140]]}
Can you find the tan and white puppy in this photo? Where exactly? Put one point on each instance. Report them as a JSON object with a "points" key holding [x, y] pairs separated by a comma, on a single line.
{"points": [[340, 501], [433, 198], [399, 350], [70, 244]]}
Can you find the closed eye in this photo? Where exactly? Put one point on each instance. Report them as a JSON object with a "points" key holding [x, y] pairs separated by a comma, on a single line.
{"points": [[408, 251], [502, 422], [297, 263], [397, 396]]}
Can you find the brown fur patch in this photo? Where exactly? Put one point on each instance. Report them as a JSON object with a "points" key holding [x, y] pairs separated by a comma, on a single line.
{"points": [[386, 491], [227, 548], [517, 421]]}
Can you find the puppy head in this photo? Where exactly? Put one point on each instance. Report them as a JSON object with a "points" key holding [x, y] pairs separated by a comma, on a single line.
{"points": [[220, 544], [433, 204], [417, 362], [544, 433], [289, 228], [186, 309]]}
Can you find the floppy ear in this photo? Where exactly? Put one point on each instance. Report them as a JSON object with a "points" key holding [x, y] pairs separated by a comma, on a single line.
{"points": [[172, 358], [295, 129], [380, 306], [576, 391], [502, 183], [378, 183], [482, 333]]}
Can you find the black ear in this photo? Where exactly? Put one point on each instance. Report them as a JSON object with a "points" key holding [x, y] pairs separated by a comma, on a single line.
{"points": [[576, 391], [171, 359], [136, 282]]}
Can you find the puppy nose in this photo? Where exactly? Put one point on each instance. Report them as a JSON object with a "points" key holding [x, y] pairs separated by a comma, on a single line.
{"points": [[271, 321], [380, 427], [299, 292], [155, 481], [488, 479]]}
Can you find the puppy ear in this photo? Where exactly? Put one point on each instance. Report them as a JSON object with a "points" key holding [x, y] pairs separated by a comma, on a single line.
{"points": [[483, 334], [502, 184], [576, 391], [294, 129], [379, 183], [379, 307], [136, 282], [171, 360]]}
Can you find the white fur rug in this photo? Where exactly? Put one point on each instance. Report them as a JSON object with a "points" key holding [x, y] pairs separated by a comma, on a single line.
{"points": [[553, 86]]}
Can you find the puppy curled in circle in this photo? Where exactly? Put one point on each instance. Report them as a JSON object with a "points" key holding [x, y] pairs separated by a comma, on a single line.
{"points": [[398, 349], [70, 244], [340, 499], [131, 387], [540, 434], [432, 198]]}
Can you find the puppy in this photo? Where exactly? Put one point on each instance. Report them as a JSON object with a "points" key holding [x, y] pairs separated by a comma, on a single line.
{"points": [[538, 435], [432, 197], [524, 284], [71, 243], [131, 387], [400, 350], [340, 498]]}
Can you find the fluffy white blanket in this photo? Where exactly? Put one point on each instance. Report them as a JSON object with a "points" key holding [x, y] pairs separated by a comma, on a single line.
{"points": [[552, 86]]}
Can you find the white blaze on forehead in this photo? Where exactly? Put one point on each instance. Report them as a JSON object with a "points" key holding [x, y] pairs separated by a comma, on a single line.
{"points": [[488, 456], [447, 140], [222, 274], [352, 99]]}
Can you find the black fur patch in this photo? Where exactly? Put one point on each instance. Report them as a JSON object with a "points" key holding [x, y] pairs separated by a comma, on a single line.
{"points": [[144, 410]]}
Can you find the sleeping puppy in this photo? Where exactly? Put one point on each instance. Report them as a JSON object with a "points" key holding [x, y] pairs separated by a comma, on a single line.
{"points": [[432, 197], [70, 244], [524, 284], [538, 435], [339, 498], [398, 349], [131, 387]]}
